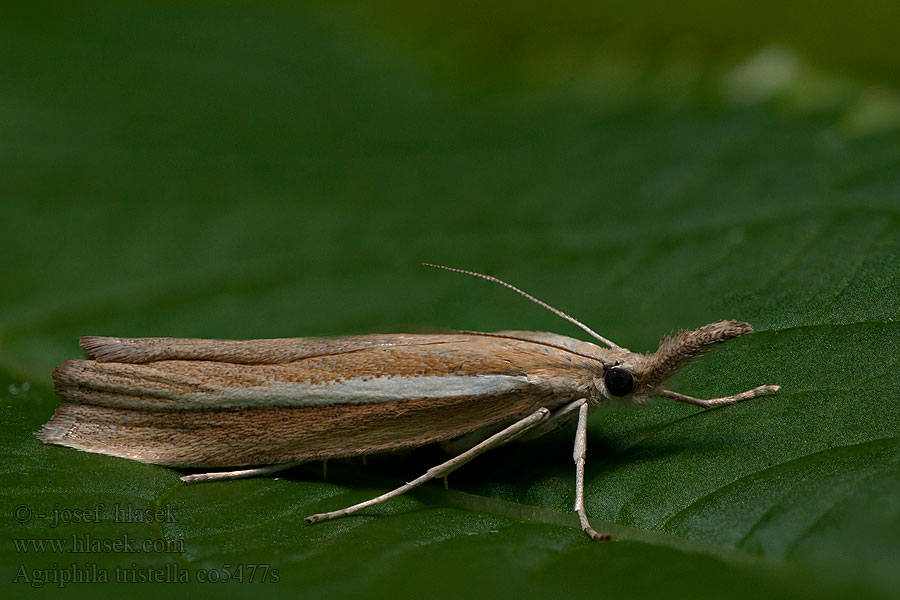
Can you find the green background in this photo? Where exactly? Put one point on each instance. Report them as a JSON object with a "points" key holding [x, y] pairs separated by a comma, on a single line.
{"points": [[274, 169]]}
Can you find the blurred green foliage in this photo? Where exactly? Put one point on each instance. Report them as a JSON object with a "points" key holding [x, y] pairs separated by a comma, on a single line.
{"points": [[519, 38]]}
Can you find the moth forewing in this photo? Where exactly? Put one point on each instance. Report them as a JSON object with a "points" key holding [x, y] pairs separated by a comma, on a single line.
{"points": [[343, 398]]}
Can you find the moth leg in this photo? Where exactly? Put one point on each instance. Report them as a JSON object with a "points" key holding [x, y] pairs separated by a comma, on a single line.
{"points": [[218, 475], [559, 418], [441, 470], [578, 455], [757, 391]]}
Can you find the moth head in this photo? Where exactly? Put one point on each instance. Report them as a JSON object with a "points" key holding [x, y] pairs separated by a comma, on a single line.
{"points": [[641, 375]]}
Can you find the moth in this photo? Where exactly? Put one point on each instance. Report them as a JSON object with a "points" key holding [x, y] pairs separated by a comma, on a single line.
{"points": [[256, 407]]}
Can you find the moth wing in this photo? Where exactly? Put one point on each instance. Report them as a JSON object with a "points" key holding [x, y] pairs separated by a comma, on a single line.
{"points": [[342, 397], [559, 341], [259, 352]]}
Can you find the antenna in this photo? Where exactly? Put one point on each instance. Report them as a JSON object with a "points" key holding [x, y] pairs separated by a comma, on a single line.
{"points": [[555, 311]]}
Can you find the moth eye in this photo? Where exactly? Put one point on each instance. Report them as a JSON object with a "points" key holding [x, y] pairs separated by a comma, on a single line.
{"points": [[619, 382]]}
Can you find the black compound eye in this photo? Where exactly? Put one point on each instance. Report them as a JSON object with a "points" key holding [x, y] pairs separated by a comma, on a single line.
{"points": [[619, 381]]}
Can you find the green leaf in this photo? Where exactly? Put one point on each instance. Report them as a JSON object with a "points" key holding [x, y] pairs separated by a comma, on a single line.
{"points": [[246, 171]]}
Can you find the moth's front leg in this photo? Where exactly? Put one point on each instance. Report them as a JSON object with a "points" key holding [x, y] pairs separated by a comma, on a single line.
{"points": [[757, 391]]}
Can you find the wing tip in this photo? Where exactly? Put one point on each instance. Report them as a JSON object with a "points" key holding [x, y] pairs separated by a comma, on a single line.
{"points": [[106, 349], [57, 429]]}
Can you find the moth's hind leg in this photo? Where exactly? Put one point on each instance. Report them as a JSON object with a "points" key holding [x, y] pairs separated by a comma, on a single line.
{"points": [[444, 469], [220, 475], [559, 419]]}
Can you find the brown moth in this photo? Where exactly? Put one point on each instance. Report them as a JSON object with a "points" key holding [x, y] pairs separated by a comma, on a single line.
{"points": [[267, 405]]}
